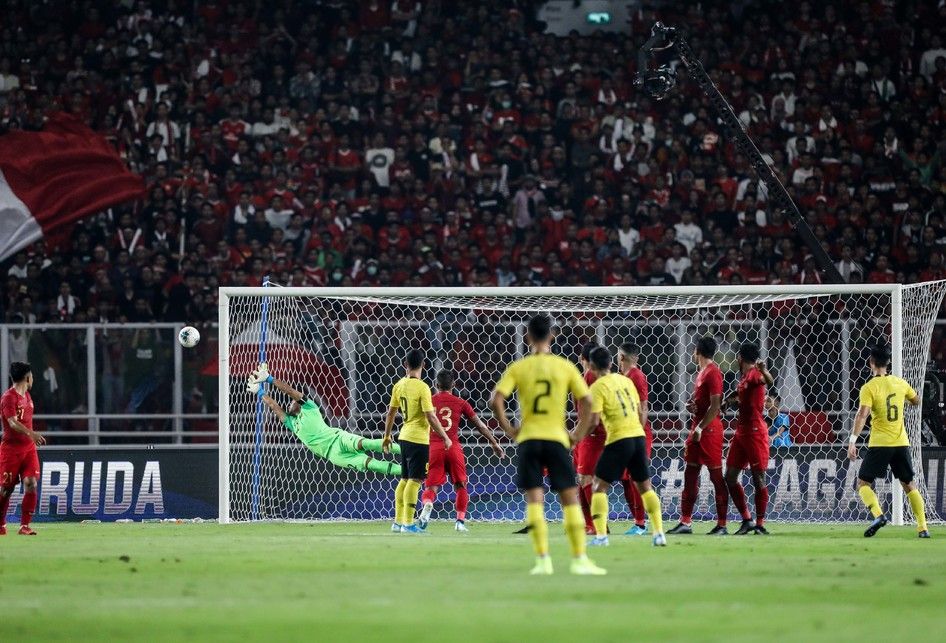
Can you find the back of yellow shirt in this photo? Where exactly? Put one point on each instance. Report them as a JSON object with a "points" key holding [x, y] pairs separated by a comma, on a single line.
{"points": [[885, 395], [412, 398], [543, 382], [615, 397]]}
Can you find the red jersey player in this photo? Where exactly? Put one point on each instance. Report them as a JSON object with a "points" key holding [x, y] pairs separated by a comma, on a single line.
{"points": [[18, 457], [704, 444], [749, 448], [451, 462], [628, 354], [588, 451]]}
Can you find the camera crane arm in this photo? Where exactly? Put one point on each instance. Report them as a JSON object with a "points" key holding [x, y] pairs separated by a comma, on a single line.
{"points": [[658, 83]]}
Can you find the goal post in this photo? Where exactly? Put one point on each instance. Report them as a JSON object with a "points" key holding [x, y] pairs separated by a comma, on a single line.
{"points": [[344, 348]]}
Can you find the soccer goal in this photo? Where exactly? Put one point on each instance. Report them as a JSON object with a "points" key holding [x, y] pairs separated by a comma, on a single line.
{"points": [[344, 348]]}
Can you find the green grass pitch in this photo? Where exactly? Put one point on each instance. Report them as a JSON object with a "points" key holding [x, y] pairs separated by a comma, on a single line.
{"points": [[359, 582]]}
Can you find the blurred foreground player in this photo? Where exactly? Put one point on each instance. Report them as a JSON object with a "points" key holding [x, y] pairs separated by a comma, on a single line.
{"points": [[19, 460], [589, 448], [628, 356]]}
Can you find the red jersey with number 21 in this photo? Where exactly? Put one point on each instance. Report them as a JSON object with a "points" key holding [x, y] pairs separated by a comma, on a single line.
{"points": [[449, 409], [12, 404], [751, 394], [709, 382]]}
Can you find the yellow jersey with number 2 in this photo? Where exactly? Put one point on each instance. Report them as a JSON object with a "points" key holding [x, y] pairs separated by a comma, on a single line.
{"points": [[885, 395], [412, 398], [543, 382]]}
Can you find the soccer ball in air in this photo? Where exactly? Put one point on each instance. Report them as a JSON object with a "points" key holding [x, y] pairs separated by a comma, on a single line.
{"points": [[188, 337]]}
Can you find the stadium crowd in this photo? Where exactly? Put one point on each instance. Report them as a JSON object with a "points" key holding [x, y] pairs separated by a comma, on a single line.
{"points": [[421, 142]]}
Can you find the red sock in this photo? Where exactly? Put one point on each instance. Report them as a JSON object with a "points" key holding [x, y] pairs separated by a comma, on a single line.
{"points": [[722, 496], [584, 494], [761, 504], [463, 501], [738, 495], [5, 504], [429, 495], [633, 497], [29, 506], [691, 487]]}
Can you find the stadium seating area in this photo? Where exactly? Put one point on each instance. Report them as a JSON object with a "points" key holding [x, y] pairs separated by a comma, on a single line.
{"points": [[425, 142]]}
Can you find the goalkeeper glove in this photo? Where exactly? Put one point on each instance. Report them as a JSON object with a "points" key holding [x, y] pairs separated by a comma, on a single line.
{"points": [[252, 385], [261, 374]]}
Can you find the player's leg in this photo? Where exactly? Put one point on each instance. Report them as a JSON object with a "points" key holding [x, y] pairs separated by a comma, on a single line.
{"points": [[436, 477], [636, 505], [456, 469], [12, 468], [712, 454], [874, 466], [374, 445], [736, 461], [902, 467], [610, 466], [7, 485], [691, 487], [561, 480], [529, 479], [639, 467], [758, 466], [585, 477]]}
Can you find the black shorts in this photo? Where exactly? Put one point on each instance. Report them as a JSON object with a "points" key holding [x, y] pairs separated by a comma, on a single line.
{"points": [[627, 453], [415, 459], [879, 458], [536, 456]]}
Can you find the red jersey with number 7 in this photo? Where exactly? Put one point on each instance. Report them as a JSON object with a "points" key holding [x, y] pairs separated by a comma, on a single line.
{"points": [[449, 409], [14, 405]]}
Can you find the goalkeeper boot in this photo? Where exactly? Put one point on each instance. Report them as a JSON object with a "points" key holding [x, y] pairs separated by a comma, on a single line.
{"points": [[636, 530], [718, 530], [879, 521], [543, 566], [761, 531], [681, 528], [25, 530], [660, 540], [424, 518], [923, 534], [460, 526], [599, 541], [745, 527], [582, 566], [411, 529]]}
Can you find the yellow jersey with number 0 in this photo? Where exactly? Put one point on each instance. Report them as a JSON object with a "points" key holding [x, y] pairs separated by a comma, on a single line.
{"points": [[885, 395], [615, 397], [412, 398], [543, 382]]}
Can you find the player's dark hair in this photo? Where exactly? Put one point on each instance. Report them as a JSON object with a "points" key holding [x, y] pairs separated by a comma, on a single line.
{"points": [[750, 352], [587, 350], [19, 371], [414, 359], [540, 327], [445, 380], [706, 346], [880, 355], [601, 359], [630, 349]]}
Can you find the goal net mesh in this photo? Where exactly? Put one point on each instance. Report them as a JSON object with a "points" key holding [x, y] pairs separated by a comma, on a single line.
{"points": [[346, 351]]}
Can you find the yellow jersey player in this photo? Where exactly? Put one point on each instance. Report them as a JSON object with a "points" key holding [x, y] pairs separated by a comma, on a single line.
{"points": [[616, 403], [411, 396], [882, 400], [543, 382]]}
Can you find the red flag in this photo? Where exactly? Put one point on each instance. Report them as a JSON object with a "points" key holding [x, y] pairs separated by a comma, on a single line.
{"points": [[52, 178]]}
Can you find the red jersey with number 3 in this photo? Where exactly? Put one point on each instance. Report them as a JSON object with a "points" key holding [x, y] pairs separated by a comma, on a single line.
{"points": [[709, 382], [449, 409], [751, 392], [14, 405]]}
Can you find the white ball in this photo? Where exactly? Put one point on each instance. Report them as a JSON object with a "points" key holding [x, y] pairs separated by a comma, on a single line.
{"points": [[188, 337]]}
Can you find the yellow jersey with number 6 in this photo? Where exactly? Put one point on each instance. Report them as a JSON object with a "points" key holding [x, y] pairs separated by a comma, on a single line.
{"points": [[885, 395], [543, 382], [615, 398], [412, 398]]}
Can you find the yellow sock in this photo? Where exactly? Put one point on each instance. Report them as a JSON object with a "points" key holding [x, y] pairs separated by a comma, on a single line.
{"points": [[538, 528], [652, 507], [919, 509], [870, 499], [411, 489], [575, 529], [399, 501], [599, 512]]}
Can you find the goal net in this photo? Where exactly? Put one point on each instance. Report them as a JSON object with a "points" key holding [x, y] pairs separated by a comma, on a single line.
{"points": [[345, 348]]}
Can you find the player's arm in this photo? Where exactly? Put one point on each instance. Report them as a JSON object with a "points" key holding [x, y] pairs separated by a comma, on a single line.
{"points": [[389, 421], [642, 409], [590, 406], [262, 376], [911, 396], [19, 427], [274, 407], [859, 421], [486, 433], [715, 404], [764, 371], [587, 420], [288, 390]]}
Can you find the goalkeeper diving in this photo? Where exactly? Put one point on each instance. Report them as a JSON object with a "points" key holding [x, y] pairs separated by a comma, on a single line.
{"points": [[304, 419]]}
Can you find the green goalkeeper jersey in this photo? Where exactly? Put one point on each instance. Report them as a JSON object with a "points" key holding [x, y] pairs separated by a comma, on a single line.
{"points": [[310, 427]]}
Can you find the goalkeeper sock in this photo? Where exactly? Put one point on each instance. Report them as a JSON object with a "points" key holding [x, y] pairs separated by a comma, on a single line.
{"points": [[599, 512], [575, 529], [738, 495], [870, 499], [918, 507], [463, 501], [722, 495], [399, 502], [410, 501], [691, 487], [538, 528], [29, 506], [584, 496], [651, 503], [368, 444], [383, 467]]}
